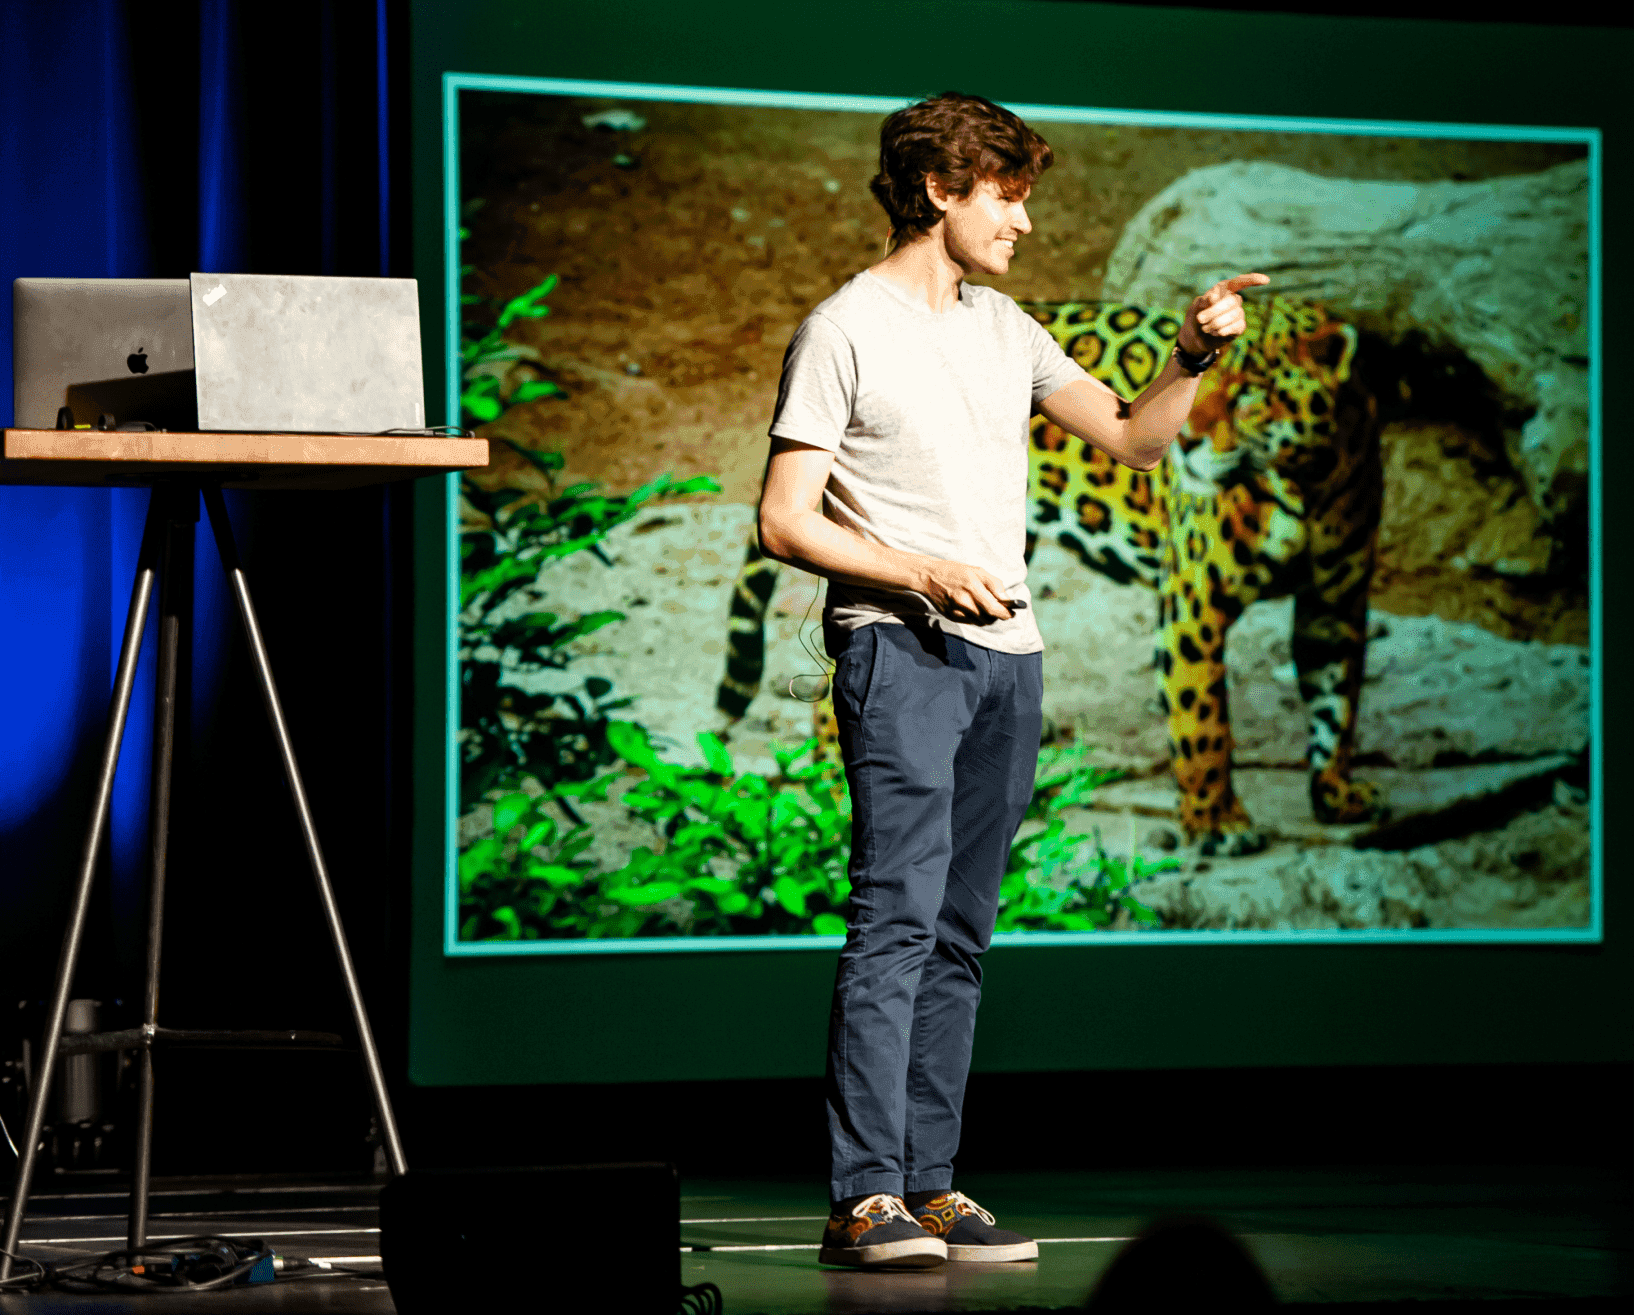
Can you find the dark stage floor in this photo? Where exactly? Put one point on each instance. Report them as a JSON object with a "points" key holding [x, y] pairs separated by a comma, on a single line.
{"points": [[1548, 1238]]}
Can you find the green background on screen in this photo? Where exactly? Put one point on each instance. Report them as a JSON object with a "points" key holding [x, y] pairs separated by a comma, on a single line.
{"points": [[751, 1014]]}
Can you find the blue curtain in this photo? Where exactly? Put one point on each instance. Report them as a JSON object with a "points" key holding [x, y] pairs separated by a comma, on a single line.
{"points": [[71, 196], [221, 219], [71, 191]]}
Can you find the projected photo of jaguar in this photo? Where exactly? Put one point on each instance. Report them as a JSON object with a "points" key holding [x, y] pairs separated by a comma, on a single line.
{"points": [[1324, 670]]}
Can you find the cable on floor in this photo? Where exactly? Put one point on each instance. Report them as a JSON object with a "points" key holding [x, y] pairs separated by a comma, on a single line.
{"points": [[701, 1299], [203, 1263]]}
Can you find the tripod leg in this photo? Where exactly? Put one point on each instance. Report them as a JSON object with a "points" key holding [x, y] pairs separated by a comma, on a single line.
{"points": [[180, 514], [124, 678], [275, 714]]}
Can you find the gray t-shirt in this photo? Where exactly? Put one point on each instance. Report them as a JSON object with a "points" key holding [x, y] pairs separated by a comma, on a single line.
{"points": [[926, 413]]}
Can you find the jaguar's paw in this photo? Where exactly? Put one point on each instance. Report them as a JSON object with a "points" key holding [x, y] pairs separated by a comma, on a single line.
{"points": [[1339, 801], [1226, 831], [1231, 844]]}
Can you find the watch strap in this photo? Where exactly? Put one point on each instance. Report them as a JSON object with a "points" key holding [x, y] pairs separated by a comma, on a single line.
{"points": [[1191, 362]]}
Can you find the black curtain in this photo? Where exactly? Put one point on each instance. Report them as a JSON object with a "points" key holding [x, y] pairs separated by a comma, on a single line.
{"points": [[274, 140]]}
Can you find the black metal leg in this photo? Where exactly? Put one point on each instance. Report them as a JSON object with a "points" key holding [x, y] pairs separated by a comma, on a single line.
{"points": [[180, 513], [125, 677], [275, 714]]}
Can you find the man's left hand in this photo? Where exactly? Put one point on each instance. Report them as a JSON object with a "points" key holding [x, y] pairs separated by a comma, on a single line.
{"points": [[1216, 317]]}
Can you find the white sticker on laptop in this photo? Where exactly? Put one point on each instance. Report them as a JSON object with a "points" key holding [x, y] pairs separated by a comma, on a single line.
{"points": [[214, 295]]}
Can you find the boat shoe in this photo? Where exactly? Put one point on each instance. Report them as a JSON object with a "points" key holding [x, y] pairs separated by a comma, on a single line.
{"points": [[879, 1233], [969, 1230]]}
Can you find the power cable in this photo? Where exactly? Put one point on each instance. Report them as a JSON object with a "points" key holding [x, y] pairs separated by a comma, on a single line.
{"points": [[826, 672], [204, 1263], [701, 1299]]}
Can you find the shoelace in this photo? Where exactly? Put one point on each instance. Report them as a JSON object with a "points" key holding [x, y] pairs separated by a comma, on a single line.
{"points": [[965, 1206], [884, 1204]]}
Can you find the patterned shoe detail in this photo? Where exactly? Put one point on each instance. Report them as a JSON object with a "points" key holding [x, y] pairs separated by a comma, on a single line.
{"points": [[879, 1233], [969, 1231]]}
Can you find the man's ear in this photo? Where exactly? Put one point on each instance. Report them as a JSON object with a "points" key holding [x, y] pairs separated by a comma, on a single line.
{"points": [[937, 193]]}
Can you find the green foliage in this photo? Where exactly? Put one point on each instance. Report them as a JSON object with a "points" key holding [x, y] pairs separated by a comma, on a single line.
{"points": [[1066, 881], [485, 355], [528, 874], [558, 733], [747, 854], [731, 854], [741, 854]]}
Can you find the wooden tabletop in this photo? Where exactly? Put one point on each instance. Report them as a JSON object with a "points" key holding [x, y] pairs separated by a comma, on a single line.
{"points": [[96, 457]]}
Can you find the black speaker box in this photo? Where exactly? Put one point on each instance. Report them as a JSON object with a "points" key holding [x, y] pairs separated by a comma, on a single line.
{"points": [[603, 1237]]}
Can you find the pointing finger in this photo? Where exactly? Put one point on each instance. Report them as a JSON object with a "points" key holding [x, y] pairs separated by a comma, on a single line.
{"points": [[1230, 304], [1211, 320], [1242, 281]]}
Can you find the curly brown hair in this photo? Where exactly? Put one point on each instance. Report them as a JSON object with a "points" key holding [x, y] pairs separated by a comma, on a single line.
{"points": [[962, 140]]}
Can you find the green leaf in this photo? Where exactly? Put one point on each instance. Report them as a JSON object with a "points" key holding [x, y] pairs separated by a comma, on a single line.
{"points": [[692, 835], [549, 462], [790, 895], [828, 924], [656, 893], [534, 389], [588, 624], [541, 832], [733, 902], [530, 305], [630, 743], [554, 874], [716, 757], [478, 860], [506, 918], [509, 811], [697, 484], [481, 406], [595, 788]]}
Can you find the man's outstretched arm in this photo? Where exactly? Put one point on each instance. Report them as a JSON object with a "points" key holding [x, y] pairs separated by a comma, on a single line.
{"points": [[794, 530], [1138, 433]]}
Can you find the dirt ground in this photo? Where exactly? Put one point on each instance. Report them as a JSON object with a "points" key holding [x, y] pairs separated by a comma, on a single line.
{"points": [[689, 250]]}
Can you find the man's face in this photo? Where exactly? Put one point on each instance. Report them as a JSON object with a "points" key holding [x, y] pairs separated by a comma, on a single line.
{"points": [[980, 230]]}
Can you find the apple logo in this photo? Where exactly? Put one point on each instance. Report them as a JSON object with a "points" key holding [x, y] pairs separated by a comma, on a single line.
{"points": [[138, 361]]}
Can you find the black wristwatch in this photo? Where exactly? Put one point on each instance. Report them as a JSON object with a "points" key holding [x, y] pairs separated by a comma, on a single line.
{"points": [[1192, 363]]}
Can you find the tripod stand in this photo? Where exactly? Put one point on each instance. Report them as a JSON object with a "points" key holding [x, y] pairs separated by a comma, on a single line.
{"points": [[173, 511]]}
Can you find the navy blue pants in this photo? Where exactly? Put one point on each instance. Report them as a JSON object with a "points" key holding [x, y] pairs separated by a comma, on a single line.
{"points": [[940, 743]]}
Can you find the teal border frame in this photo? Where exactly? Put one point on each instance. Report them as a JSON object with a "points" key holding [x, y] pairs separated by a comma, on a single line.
{"points": [[454, 83]]}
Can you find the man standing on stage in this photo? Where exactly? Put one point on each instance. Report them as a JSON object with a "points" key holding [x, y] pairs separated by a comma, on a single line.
{"points": [[899, 472]]}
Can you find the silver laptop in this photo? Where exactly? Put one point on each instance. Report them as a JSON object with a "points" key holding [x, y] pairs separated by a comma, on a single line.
{"points": [[306, 354], [220, 353], [121, 347]]}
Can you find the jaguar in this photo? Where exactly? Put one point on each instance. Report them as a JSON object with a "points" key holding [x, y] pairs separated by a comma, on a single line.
{"points": [[1273, 488]]}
